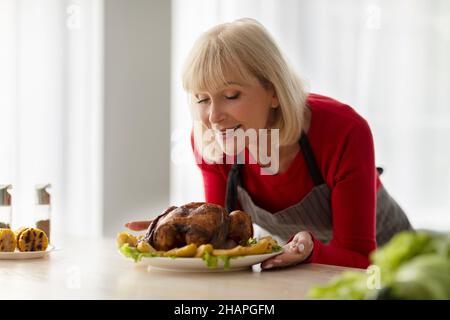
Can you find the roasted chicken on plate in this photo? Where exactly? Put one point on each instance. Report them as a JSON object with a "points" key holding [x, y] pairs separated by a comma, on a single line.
{"points": [[199, 223]]}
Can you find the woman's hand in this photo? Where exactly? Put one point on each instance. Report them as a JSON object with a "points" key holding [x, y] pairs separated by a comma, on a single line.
{"points": [[296, 251], [138, 225]]}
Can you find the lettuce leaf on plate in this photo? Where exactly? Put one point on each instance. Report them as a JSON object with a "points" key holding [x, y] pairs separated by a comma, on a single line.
{"points": [[211, 261], [133, 253]]}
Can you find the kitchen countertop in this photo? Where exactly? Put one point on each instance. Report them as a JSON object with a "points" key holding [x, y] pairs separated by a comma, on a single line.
{"points": [[94, 269]]}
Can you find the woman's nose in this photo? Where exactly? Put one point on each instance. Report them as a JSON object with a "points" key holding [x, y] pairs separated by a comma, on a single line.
{"points": [[216, 114]]}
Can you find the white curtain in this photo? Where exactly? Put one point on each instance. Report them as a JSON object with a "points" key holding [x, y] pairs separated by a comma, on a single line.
{"points": [[388, 59], [50, 109]]}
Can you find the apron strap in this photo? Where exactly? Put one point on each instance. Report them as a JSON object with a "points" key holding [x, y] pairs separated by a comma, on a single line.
{"points": [[234, 176], [310, 160], [234, 179]]}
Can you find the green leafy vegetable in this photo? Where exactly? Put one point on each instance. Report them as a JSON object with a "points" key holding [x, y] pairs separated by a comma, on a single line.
{"points": [[413, 265], [349, 285], [253, 241], [400, 249], [226, 261], [425, 277], [133, 253], [276, 248], [210, 260]]}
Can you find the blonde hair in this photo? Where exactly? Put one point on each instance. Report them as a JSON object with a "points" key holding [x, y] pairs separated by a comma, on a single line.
{"points": [[246, 50]]}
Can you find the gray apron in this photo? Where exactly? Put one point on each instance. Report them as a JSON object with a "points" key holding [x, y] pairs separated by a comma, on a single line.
{"points": [[313, 213]]}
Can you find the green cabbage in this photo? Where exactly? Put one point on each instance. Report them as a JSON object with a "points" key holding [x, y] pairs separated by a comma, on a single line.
{"points": [[425, 277], [348, 286], [407, 245], [413, 265]]}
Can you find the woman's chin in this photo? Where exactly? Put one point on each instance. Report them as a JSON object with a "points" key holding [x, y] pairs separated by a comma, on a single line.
{"points": [[228, 147]]}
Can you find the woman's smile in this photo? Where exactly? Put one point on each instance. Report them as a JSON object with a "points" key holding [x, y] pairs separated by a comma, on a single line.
{"points": [[225, 137], [226, 132]]}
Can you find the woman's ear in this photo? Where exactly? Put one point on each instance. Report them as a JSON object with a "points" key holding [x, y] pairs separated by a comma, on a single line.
{"points": [[268, 86], [274, 103]]}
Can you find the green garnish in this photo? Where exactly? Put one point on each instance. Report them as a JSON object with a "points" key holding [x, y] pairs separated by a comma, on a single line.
{"points": [[276, 248], [226, 261], [133, 253], [210, 260]]}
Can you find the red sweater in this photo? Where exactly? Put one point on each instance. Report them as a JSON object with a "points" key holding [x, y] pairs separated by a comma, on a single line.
{"points": [[343, 146]]}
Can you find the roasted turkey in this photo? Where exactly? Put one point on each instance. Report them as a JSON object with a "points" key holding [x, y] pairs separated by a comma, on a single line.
{"points": [[199, 223]]}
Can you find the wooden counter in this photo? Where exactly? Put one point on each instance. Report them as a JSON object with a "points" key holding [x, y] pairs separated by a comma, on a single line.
{"points": [[93, 269]]}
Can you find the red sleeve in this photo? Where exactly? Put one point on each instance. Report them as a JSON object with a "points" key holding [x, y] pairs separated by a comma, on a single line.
{"points": [[353, 200], [214, 179]]}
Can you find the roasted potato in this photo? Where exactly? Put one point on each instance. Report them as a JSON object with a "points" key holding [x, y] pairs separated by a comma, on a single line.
{"points": [[203, 249], [264, 245], [187, 251], [125, 237], [145, 247]]}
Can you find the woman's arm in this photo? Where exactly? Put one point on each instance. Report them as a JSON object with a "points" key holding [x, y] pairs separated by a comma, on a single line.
{"points": [[353, 204], [138, 225], [353, 201]]}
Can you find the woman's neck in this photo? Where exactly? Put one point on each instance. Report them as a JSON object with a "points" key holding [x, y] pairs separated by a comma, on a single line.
{"points": [[286, 154]]}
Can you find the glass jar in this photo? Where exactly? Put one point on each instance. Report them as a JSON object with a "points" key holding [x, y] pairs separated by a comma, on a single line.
{"points": [[5, 206], [43, 208]]}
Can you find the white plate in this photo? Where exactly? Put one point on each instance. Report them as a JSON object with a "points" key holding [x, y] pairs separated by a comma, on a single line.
{"points": [[17, 255], [199, 265]]}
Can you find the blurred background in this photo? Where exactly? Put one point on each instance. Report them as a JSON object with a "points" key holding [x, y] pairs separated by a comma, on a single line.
{"points": [[91, 98]]}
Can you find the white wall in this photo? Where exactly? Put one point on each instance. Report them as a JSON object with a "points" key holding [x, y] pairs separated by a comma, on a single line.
{"points": [[50, 110], [387, 59], [136, 110]]}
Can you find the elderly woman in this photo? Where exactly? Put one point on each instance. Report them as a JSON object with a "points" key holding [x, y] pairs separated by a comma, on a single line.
{"points": [[323, 196]]}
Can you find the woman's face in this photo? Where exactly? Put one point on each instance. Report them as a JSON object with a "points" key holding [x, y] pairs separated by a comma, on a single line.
{"points": [[236, 105]]}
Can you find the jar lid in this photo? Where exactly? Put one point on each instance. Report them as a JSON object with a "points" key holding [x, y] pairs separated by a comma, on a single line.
{"points": [[42, 194], [5, 195]]}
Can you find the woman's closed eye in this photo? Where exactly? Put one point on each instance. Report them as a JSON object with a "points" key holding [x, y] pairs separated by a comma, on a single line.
{"points": [[202, 100], [233, 96]]}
